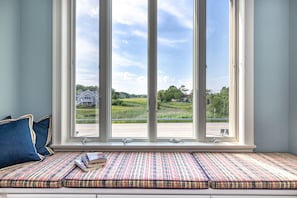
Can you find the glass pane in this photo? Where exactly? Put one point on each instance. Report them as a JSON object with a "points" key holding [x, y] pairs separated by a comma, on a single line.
{"points": [[129, 68], [175, 68], [87, 68], [217, 72]]}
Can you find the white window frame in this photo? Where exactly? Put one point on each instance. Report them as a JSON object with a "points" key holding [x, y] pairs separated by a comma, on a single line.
{"points": [[63, 94]]}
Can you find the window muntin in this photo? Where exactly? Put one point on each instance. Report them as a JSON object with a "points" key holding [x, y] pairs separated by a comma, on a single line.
{"points": [[157, 133]]}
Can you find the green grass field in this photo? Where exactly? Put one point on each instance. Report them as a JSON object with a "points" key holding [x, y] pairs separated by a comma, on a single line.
{"points": [[134, 110]]}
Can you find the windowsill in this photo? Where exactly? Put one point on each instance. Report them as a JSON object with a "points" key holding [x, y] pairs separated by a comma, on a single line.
{"points": [[156, 146]]}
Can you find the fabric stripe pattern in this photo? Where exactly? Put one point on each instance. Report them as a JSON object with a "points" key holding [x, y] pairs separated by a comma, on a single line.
{"points": [[48, 173], [170, 170], [249, 170]]}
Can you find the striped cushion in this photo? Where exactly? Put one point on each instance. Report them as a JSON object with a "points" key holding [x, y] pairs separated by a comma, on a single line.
{"points": [[249, 170], [143, 170], [48, 173]]}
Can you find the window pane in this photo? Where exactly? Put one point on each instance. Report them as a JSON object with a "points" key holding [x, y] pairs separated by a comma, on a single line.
{"points": [[87, 68], [129, 68], [217, 72], [175, 68]]}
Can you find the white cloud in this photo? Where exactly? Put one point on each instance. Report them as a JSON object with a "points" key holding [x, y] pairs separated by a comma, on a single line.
{"points": [[87, 60], [87, 7], [130, 12], [87, 77], [129, 82], [216, 83], [87, 52], [125, 60], [181, 9], [161, 40], [170, 42], [140, 34], [165, 81]]}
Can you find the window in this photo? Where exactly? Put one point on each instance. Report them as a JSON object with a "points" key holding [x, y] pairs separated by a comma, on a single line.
{"points": [[129, 96], [152, 71], [175, 67]]}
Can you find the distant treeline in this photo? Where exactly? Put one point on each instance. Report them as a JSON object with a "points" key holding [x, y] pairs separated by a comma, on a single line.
{"points": [[114, 93], [217, 104]]}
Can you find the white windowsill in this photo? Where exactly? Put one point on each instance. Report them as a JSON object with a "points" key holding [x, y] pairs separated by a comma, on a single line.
{"points": [[155, 146]]}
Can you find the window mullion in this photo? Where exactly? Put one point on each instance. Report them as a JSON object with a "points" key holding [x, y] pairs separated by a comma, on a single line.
{"points": [[199, 88], [152, 69], [105, 70], [233, 99], [73, 67]]}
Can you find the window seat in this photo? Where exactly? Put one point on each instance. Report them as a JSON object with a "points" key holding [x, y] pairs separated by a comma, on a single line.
{"points": [[249, 170], [180, 173], [48, 173], [143, 170]]}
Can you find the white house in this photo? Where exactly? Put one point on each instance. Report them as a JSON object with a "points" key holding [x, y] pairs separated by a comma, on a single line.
{"points": [[87, 98]]}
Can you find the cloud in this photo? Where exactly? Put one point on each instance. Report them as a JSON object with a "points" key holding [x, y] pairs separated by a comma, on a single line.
{"points": [[165, 81], [216, 83], [180, 9], [163, 41], [130, 12], [87, 52], [136, 12], [133, 16], [87, 7], [170, 42], [87, 61], [129, 82], [87, 77], [140, 34], [125, 60]]}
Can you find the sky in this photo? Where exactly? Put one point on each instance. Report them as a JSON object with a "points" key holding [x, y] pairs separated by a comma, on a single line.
{"points": [[129, 44]]}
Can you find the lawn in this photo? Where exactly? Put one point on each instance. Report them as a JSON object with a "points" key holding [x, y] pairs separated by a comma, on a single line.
{"points": [[134, 110]]}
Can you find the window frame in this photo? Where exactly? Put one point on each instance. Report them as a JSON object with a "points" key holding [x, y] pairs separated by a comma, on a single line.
{"points": [[62, 80]]}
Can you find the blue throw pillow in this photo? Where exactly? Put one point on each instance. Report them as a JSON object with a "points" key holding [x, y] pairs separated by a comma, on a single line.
{"points": [[6, 118], [43, 133], [17, 141]]}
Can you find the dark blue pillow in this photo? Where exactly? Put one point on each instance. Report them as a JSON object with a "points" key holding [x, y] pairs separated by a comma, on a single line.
{"points": [[17, 141], [43, 133], [6, 118]]}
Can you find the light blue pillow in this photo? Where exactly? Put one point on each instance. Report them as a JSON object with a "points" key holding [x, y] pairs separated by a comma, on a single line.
{"points": [[42, 129], [17, 141]]}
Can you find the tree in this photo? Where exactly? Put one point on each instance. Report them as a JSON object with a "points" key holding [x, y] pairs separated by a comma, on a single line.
{"points": [[81, 88], [115, 95], [161, 95], [172, 93], [217, 104], [184, 90]]}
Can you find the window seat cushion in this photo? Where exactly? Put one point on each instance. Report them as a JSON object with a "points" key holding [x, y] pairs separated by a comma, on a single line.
{"points": [[169, 170], [249, 170], [157, 170], [48, 173]]}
